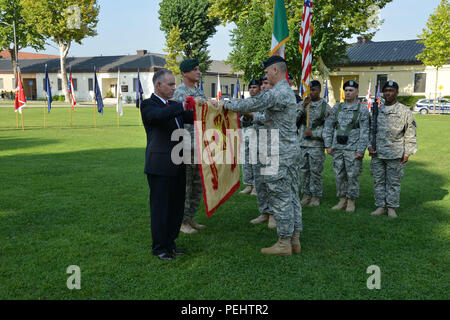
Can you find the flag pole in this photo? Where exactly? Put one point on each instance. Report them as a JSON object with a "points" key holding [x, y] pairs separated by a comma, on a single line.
{"points": [[118, 120], [17, 120], [71, 106], [45, 121]]}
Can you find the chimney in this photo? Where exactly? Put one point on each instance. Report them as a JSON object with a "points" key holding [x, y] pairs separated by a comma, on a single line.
{"points": [[141, 53]]}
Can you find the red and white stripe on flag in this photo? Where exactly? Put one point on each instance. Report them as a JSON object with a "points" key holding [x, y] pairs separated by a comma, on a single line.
{"points": [[306, 33], [369, 98], [74, 101]]}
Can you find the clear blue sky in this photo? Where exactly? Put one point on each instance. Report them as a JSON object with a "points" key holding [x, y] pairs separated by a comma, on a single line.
{"points": [[127, 26]]}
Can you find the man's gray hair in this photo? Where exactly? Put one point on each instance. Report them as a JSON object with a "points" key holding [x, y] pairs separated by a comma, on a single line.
{"points": [[160, 74], [281, 66]]}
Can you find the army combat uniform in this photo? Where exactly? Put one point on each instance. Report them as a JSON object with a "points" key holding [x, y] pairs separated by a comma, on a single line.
{"points": [[395, 138], [247, 167], [312, 148], [280, 109], [194, 189], [261, 189], [351, 123]]}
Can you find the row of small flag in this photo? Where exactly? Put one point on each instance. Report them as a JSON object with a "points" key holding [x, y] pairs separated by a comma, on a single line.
{"points": [[20, 101]]}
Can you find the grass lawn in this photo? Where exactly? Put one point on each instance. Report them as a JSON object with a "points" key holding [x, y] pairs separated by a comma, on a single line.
{"points": [[78, 196]]}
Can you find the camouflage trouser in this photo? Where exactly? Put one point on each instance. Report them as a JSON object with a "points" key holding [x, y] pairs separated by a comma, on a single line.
{"points": [[261, 190], [346, 171], [311, 168], [194, 190], [247, 167], [284, 201], [387, 176]]}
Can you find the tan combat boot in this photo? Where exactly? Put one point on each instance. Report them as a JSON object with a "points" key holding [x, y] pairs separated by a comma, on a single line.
{"points": [[315, 202], [392, 214], [262, 218], [351, 205], [253, 193], [247, 190], [342, 205], [194, 224], [187, 228], [295, 243], [282, 248], [379, 212], [306, 199], [272, 222]]}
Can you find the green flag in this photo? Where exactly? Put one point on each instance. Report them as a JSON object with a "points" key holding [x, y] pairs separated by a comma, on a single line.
{"points": [[280, 34]]}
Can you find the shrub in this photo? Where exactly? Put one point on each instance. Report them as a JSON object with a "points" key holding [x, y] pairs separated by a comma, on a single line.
{"points": [[109, 94], [129, 100], [409, 101]]}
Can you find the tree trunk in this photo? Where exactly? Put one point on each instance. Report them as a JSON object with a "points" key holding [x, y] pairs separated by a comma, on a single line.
{"points": [[63, 51], [435, 90], [12, 53]]}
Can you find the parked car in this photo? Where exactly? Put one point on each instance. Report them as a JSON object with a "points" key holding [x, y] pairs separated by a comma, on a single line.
{"points": [[425, 106]]}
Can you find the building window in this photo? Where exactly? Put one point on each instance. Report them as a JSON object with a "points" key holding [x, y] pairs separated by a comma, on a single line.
{"points": [[75, 84], [135, 84], [1, 83], [420, 82], [44, 85], [232, 88], [59, 84], [213, 90], [226, 90], [91, 84], [382, 79]]}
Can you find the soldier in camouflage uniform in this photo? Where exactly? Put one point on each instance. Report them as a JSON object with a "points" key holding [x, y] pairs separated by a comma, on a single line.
{"points": [[247, 125], [266, 214], [346, 137], [194, 191], [396, 141], [280, 109], [312, 145]]}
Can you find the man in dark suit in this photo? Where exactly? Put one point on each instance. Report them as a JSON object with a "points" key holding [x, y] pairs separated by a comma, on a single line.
{"points": [[166, 179]]}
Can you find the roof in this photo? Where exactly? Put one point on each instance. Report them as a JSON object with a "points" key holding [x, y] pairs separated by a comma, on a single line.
{"points": [[130, 63], [365, 53], [27, 55], [148, 62]]}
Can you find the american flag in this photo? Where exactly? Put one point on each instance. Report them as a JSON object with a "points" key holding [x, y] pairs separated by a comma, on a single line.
{"points": [[306, 33]]}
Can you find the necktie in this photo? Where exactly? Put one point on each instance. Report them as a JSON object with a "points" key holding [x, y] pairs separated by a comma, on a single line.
{"points": [[167, 103]]}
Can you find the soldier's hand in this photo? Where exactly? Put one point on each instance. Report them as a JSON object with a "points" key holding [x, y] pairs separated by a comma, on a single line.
{"points": [[405, 159], [249, 115], [307, 100], [200, 101], [308, 132], [371, 151], [359, 156], [330, 151]]}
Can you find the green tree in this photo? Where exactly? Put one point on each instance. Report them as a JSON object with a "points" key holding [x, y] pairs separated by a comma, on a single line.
{"points": [[436, 38], [64, 21], [26, 36], [334, 22], [196, 27], [174, 49]]}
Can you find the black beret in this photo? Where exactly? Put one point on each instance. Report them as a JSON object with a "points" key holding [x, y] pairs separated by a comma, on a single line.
{"points": [[254, 82], [314, 84], [272, 60], [263, 77], [188, 65], [351, 83], [390, 84]]}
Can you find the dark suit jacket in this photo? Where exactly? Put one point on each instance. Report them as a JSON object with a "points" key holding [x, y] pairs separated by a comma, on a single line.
{"points": [[159, 122]]}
